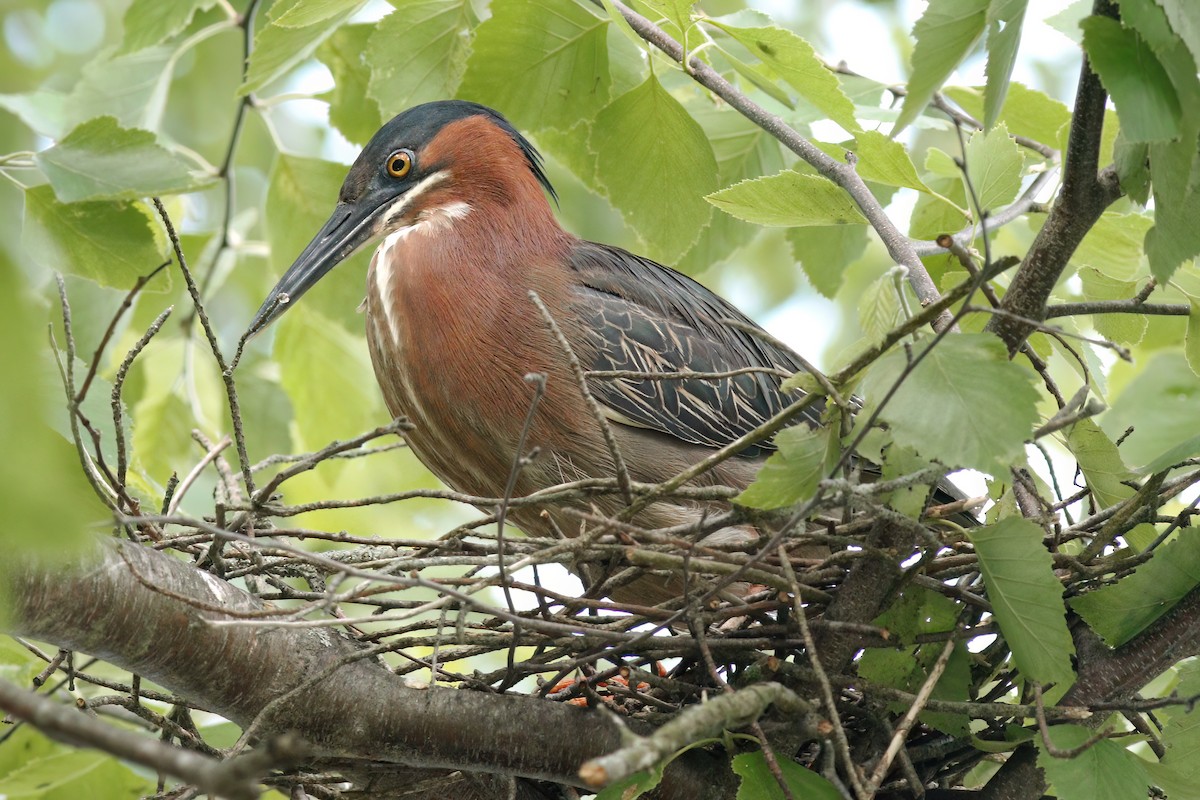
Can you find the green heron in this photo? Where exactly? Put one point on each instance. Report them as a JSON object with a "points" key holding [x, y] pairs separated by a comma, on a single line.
{"points": [[459, 204]]}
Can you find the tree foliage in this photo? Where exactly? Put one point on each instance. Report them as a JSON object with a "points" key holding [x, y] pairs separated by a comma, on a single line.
{"points": [[247, 578]]}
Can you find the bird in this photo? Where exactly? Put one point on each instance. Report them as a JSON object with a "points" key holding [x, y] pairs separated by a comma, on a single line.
{"points": [[459, 207]]}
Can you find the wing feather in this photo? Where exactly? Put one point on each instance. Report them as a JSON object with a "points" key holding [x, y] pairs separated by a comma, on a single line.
{"points": [[646, 318]]}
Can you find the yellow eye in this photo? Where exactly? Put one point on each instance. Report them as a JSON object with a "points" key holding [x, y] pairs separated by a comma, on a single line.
{"points": [[399, 163]]}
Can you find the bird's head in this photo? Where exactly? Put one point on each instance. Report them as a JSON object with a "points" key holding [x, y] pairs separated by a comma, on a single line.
{"points": [[446, 157]]}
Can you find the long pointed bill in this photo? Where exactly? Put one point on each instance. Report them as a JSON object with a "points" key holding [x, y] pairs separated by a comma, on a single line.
{"points": [[350, 227]]}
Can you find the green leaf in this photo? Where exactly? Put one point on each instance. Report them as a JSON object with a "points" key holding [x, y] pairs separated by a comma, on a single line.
{"points": [[1160, 406], [1105, 771], [322, 366], [985, 409], [677, 12], [758, 783], [100, 159], [790, 475], [906, 667], [1004, 21], [300, 197], [1121, 328], [47, 501], [1181, 737], [1026, 112], [1132, 161], [794, 60], [148, 22], [994, 164], [1100, 462], [162, 434], [110, 243], [1185, 22], [1146, 101], [884, 160], [76, 773], [542, 62], [646, 144], [277, 49], [311, 12], [879, 308], [945, 34], [1026, 599], [1191, 340], [1120, 611], [743, 150], [788, 199], [351, 111], [1114, 245], [430, 63], [825, 251], [1068, 20]]}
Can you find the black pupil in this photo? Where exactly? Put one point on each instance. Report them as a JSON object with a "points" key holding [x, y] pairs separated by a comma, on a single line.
{"points": [[398, 163]]}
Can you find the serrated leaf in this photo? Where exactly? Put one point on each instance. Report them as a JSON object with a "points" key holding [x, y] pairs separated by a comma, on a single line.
{"points": [[1146, 101], [1004, 21], [133, 88], [543, 63], [301, 194], [985, 406], [322, 366], [1105, 771], [1114, 245], [277, 49], [677, 12], [646, 144], [884, 160], [148, 22], [1100, 462], [788, 199], [794, 60], [1175, 238], [1121, 328], [1181, 737], [430, 64], [1184, 16], [1026, 112], [100, 159], [1132, 161], [758, 783], [110, 243], [1026, 598], [879, 308], [311, 12], [1160, 406], [742, 150], [944, 35], [351, 111], [825, 251], [1120, 611], [994, 164], [790, 474]]}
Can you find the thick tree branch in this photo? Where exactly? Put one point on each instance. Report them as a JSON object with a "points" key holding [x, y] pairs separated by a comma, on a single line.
{"points": [[1086, 192], [360, 711]]}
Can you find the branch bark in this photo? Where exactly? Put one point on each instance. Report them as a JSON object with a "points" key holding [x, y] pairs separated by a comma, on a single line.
{"points": [[359, 710], [1086, 192]]}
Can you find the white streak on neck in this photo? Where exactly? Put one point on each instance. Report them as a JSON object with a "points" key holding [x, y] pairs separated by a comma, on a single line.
{"points": [[429, 222]]}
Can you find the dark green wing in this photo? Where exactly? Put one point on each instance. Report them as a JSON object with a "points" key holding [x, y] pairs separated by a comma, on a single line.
{"points": [[646, 318]]}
